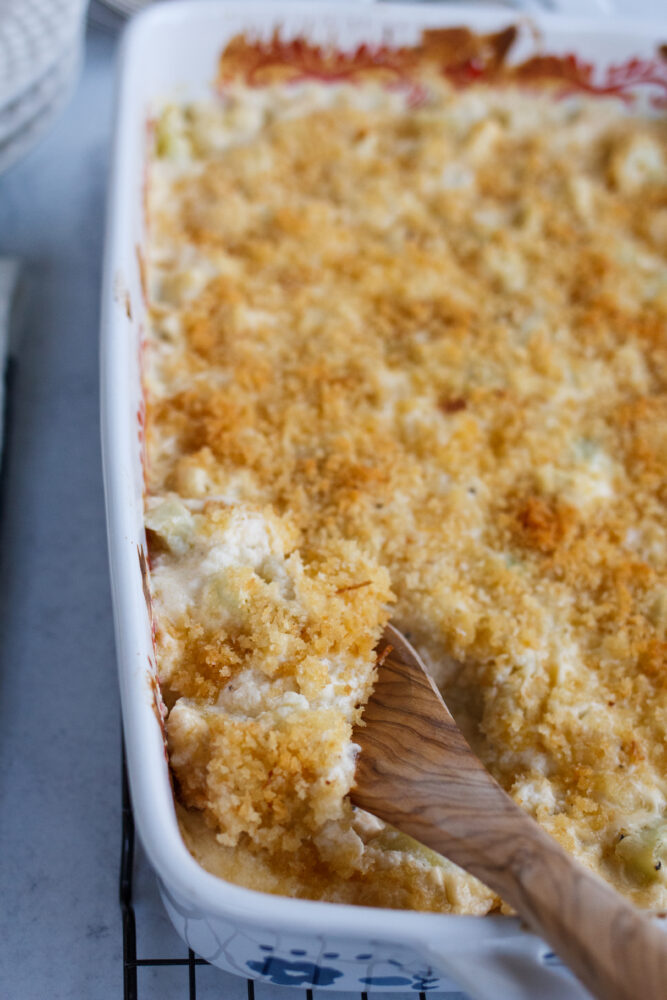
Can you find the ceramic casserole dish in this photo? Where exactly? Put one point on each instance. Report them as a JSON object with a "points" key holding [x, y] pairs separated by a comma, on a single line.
{"points": [[170, 53]]}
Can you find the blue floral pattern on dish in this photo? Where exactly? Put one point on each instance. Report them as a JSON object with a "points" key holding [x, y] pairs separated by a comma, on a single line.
{"points": [[424, 983], [283, 973], [302, 962], [419, 983]]}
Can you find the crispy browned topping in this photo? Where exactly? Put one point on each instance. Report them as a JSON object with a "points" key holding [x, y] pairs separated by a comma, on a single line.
{"points": [[441, 336]]}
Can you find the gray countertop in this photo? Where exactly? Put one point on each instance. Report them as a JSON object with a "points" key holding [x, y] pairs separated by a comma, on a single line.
{"points": [[59, 714]]}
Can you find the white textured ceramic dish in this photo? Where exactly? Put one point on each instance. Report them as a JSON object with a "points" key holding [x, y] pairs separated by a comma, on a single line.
{"points": [[41, 48], [22, 124], [171, 51], [33, 36]]}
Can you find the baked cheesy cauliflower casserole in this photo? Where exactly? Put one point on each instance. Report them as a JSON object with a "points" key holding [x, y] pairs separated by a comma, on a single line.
{"points": [[408, 360]]}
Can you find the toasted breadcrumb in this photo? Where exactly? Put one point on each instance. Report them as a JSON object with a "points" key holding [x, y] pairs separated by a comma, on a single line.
{"points": [[410, 362]]}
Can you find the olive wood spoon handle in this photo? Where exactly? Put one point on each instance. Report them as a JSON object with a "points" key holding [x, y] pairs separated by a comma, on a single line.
{"points": [[417, 772]]}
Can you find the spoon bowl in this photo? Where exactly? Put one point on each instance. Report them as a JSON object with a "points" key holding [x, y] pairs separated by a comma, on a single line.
{"points": [[417, 772]]}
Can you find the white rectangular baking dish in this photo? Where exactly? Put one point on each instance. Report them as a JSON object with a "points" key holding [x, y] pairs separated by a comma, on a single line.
{"points": [[171, 51]]}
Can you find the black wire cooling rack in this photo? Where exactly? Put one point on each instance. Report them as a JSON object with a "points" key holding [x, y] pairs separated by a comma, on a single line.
{"points": [[131, 962]]}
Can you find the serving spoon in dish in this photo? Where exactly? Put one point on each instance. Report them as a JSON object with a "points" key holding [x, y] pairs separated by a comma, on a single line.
{"points": [[417, 772]]}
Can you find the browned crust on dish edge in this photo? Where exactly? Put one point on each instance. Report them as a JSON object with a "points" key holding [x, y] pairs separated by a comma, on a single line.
{"points": [[457, 53]]}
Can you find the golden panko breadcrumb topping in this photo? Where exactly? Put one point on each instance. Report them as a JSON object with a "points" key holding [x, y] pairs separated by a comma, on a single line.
{"points": [[409, 362]]}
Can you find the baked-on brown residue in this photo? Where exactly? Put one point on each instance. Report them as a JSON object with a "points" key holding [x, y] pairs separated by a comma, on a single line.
{"points": [[456, 54]]}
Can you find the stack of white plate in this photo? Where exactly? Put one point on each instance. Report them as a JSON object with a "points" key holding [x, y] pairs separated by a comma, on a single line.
{"points": [[41, 42]]}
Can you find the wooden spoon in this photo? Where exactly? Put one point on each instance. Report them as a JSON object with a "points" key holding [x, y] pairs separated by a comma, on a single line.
{"points": [[417, 772]]}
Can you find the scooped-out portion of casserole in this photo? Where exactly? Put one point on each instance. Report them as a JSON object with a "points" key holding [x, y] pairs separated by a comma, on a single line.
{"points": [[407, 360]]}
